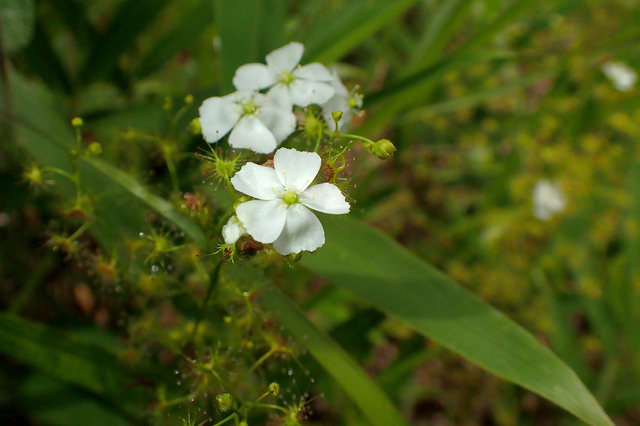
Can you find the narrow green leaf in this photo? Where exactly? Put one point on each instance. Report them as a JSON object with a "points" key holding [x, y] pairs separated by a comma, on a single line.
{"points": [[377, 269], [16, 24], [344, 28], [158, 204], [189, 26], [364, 391], [71, 359], [239, 24], [129, 21]]}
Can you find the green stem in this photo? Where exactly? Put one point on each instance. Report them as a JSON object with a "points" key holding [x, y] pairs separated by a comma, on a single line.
{"points": [[232, 416], [350, 136], [262, 359], [212, 284]]}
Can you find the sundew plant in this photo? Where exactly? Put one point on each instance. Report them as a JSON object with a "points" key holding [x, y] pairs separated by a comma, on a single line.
{"points": [[267, 212]]}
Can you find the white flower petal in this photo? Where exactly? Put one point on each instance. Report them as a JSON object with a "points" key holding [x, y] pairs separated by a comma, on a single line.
{"points": [[280, 95], [281, 122], [263, 220], [325, 198], [285, 58], [233, 230], [251, 133], [296, 169], [258, 182], [217, 117], [253, 77], [306, 92], [302, 231], [313, 72]]}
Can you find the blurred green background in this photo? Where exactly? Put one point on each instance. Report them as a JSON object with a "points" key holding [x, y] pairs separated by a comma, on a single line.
{"points": [[483, 99]]}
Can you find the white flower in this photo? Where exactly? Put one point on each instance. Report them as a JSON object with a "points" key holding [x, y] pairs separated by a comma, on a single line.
{"points": [[290, 84], [280, 214], [547, 199], [233, 230], [346, 102], [622, 76], [258, 124]]}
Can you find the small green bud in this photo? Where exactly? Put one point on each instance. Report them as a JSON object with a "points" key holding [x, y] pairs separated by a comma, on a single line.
{"points": [[224, 402], [77, 122], [34, 175], [313, 126], [293, 258], [194, 127], [383, 149], [188, 99], [274, 388], [337, 115], [94, 148], [243, 423]]}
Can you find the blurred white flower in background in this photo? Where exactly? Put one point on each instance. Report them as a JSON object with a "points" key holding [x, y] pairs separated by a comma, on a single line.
{"points": [[289, 83], [623, 76], [548, 199], [280, 212], [258, 123], [349, 103]]}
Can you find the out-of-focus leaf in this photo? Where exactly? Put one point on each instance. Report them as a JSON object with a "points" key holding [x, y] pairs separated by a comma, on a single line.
{"points": [[394, 280], [16, 24], [191, 24], [72, 360], [344, 28], [373, 402], [130, 20]]}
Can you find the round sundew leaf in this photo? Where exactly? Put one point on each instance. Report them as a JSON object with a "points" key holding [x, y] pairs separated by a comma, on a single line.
{"points": [[295, 169], [258, 182], [253, 77], [306, 92], [302, 231], [263, 220], [217, 117], [325, 198], [251, 134], [285, 58]]}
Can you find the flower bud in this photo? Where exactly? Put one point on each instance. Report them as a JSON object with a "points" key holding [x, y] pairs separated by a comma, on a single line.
{"points": [[383, 149], [224, 402], [337, 115], [188, 99], [274, 388], [94, 148], [34, 175], [77, 122], [313, 126]]}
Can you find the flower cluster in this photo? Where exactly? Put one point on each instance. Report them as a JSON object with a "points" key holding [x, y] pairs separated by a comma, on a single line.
{"points": [[623, 76], [277, 198], [548, 199], [262, 121]]}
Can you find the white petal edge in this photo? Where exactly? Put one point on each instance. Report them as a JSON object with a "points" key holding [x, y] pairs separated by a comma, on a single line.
{"points": [[253, 77], [314, 72], [281, 122], [285, 58], [263, 220], [233, 230], [258, 182], [302, 231], [251, 133], [325, 198], [306, 92], [217, 117], [295, 169]]}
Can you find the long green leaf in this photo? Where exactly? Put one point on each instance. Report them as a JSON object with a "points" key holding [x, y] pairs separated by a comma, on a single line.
{"points": [[394, 280], [346, 27], [364, 391], [16, 24]]}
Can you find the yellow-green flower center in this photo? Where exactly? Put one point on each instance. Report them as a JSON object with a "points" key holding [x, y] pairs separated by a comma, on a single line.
{"points": [[249, 107], [287, 78], [290, 197]]}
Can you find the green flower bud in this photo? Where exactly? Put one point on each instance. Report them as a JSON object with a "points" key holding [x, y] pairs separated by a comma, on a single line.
{"points": [[94, 148], [337, 115], [313, 126], [274, 388], [224, 402], [34, 175], [194, 127], [77, 122], [383, 149], [188, 99]]}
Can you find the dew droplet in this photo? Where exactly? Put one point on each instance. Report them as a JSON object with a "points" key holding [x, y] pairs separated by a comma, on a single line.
{"points": [[290, 372], [141, 235], [155, 268]]}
